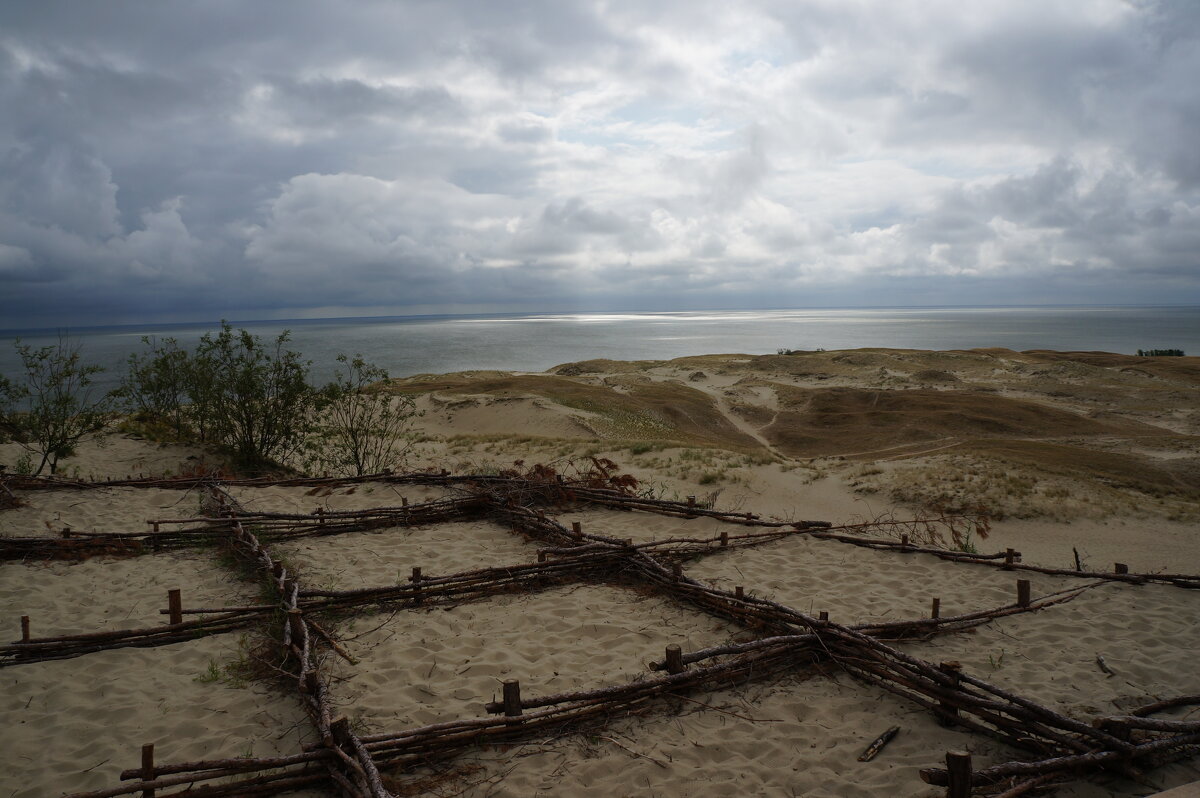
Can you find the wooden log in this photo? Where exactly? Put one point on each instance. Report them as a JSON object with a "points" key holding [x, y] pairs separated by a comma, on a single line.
{"points": [[958, 769], [1166, 703], [1022, 592], [148, 768], [1114, 724], [875, 747], [175, 606], [674, 659], [259, 763]]}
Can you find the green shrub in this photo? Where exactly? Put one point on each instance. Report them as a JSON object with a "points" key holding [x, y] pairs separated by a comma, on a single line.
{"points": [[360, 431], [55, 406]]}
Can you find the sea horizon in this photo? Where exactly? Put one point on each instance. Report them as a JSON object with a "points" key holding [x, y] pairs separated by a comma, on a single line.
{"points": [[9, 332], [535, 341]]}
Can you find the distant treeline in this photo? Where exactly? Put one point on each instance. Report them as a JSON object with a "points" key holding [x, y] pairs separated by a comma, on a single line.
{"points": [[1160, 353]]}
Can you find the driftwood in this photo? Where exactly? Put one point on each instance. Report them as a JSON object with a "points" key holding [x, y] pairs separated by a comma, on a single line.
{"points": [[877, 745]]}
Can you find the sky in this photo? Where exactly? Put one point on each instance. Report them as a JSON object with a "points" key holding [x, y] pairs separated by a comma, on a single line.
{"points": [[185, 160]]}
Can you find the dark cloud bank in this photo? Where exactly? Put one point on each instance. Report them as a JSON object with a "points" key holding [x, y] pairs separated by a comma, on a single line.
{"points": [[190, 160]]}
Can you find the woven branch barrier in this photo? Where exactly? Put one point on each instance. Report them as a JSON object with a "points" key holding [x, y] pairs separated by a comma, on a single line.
{"points": [[821, 530], [1061, 747], [202, 530]]}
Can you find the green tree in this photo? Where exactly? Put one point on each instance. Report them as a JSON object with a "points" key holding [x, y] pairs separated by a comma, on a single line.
{"points": [[56, 406], [360, 429]]}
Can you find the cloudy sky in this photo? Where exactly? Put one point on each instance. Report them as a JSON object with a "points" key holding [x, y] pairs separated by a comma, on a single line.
{"points": [[193, 160]]}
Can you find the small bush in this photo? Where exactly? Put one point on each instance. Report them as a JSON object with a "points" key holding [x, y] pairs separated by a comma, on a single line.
{"points": [[361, 431], [55, 407]]}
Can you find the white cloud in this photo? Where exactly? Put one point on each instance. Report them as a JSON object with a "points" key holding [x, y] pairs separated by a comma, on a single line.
{"points": [[441, 154]]}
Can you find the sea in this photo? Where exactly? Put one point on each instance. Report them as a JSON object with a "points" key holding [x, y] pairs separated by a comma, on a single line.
{"points": [[407, 345]]}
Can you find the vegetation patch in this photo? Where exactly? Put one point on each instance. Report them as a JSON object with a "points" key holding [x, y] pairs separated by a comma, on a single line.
{"points": [[647, 411]]}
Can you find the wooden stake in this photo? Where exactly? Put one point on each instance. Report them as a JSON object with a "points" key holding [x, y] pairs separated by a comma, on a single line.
{"points": [[66, 532], [154, 527], [340, 731], [739, 593], [577, 529], [823, 616], [312, 682], [674, 659], [1009, 556], [691, 501], [950, 712], [904, 541], [936, 610], [1022, 592], [541, 556], [512, 698], [320, 513], [24, 628], [724, 538], [148, 768], [175, 605], [403, 501], [676, 570], [296, 623], [958, 772], [1078, 564], [416, 580], [1120, 568]]}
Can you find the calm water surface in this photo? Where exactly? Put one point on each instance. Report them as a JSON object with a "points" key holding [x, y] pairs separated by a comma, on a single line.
{"points": [[535, 342]]}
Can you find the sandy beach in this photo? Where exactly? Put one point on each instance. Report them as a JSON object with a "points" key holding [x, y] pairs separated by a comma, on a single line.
{"points": [[1069, 454]]}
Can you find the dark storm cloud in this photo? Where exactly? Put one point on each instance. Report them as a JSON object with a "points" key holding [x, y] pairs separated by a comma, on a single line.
{"points": [[190, 160]]}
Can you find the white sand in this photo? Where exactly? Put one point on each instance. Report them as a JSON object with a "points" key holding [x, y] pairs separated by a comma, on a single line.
{"points": [[46, 512], [387, 556], [426, 666], [74, 725], [108, 593]]}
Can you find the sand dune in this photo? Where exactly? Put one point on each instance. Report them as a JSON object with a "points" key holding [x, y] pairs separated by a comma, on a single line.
{"points": [[1079, 451]]}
